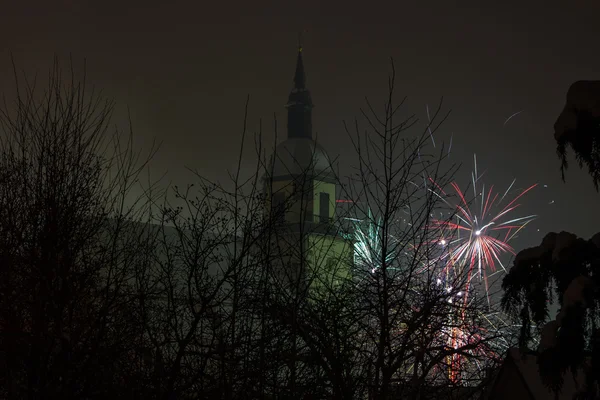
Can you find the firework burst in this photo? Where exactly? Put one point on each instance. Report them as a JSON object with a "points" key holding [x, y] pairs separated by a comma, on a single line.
{"points": [[368, 244], [480, 230]]}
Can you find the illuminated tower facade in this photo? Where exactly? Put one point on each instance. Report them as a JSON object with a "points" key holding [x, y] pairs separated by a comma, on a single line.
{"points": [[300, 188]]}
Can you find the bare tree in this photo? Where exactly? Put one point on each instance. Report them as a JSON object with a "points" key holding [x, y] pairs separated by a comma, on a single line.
{"points": [[66, 323], [407, 317]]}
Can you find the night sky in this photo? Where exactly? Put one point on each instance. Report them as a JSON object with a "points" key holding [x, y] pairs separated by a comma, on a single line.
{"points": [[184, 69]]}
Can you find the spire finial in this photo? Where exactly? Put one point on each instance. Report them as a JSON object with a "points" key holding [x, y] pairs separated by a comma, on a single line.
{"points": [[300, 42]]}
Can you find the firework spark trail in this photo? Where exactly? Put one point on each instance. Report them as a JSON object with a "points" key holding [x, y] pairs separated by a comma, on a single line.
{"points": [[464, 341], [514, 115], [429, 124], [493, 331]]}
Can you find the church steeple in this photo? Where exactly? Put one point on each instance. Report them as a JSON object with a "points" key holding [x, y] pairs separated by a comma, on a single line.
{"points": [[299, 124]]}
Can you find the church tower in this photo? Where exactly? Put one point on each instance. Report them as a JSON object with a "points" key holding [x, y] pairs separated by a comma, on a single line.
{"points": [[301, 196]]}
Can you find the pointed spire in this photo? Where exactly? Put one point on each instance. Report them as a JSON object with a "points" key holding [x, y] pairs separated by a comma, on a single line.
{"points": [[299, 103], [299, 76]]}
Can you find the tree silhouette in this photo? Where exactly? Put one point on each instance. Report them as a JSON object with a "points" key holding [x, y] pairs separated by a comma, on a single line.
{"points": [[564, 267], [578, 126]]}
